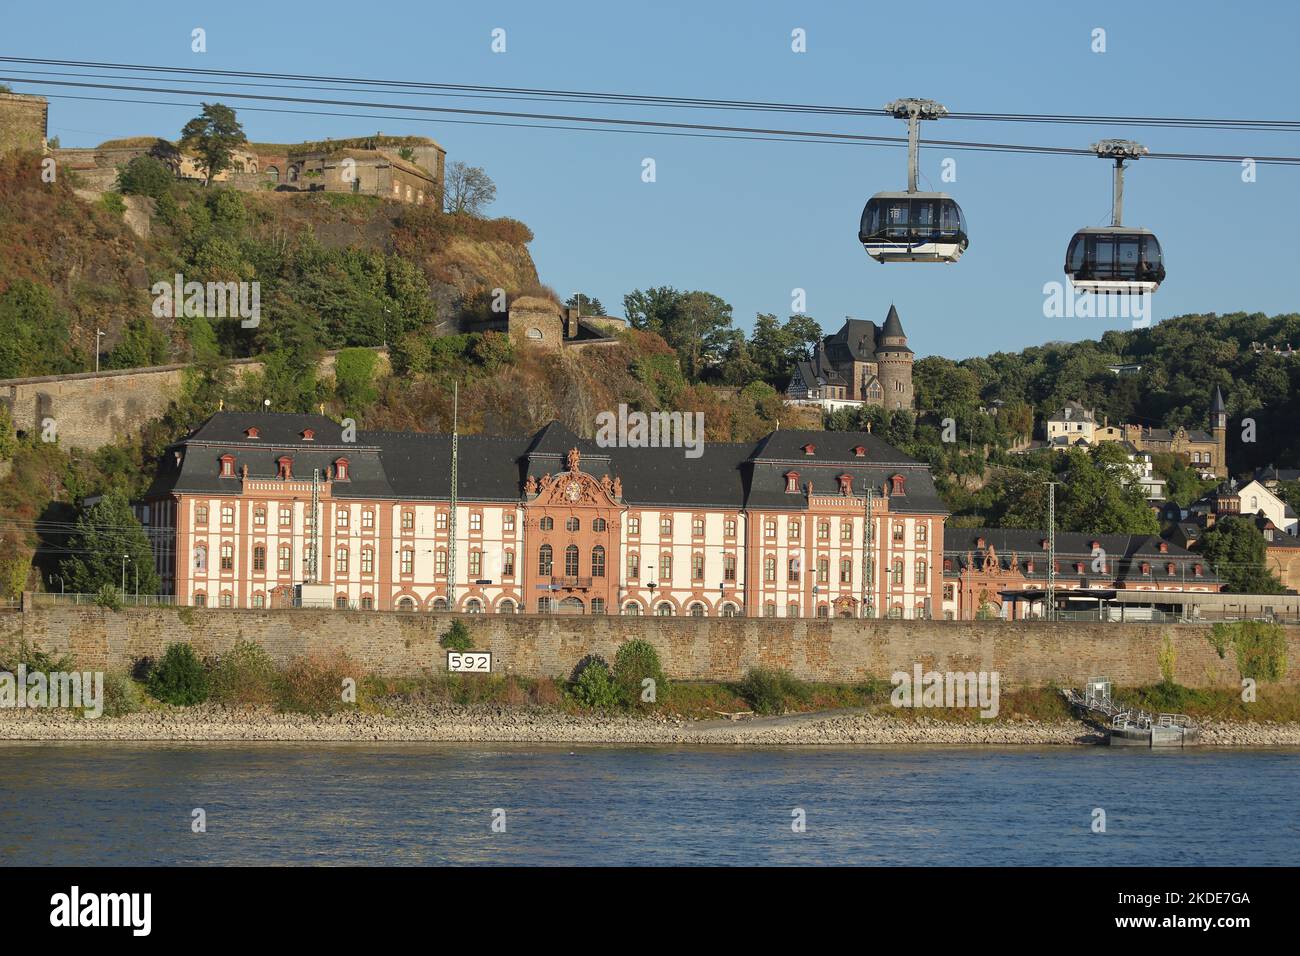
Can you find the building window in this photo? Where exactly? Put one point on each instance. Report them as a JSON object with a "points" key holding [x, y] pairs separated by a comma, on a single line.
{"points": [[921, 569], [597, 562], [572, 524], [823, 611], [823, 531], [201, 515], [440, 563], [259, 558], [408, 520], [697, 609], [664, 610], [259, 517], [769, 528], [823, 570], [200, 558], [367, 602], [544, 560], [632, 609], [666, 566], [408, 561], [921, 532], [508, 564], [508, 521], [227, 599], [634, 527], [948, 592], [341, 518], [476, 521], [792, 570], [546, 524], [506, 607], [284, 469], [341, 470], [728, 567], [440, 521], [633, 565], [368, 519], [697, 567], [769, 609], [846, 530], [898, 534], [769, 568], [475, 565], [259, 600], [367, 561], [697, 526], [227, 514], [341, 561], [227, 557], [793, 530], [729, 527], [200, 599], [597, 605], [286, 516], [341, 602], [666, 527], [285, 558], [792, 609], [791, 482], [571, 561], [898, 571], [846, 570], [598, 524], [227, 466]]}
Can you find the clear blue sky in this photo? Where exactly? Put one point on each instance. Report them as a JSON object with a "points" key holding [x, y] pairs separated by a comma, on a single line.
{"points": [[750, 220]]}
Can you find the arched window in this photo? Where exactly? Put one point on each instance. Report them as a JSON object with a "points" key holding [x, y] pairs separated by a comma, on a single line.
{"points": [[598, 524], [632, 609], [544, 560], [921, 569], [664, 610], [597, 562], [769, 568], [508, 564], [846, 570], [769, 609], [792, 610], [571, 561], [823, 570], [341, 561], [473, 606], [285, 558], [729, 610], [506, 607], [572, 524], [696, 609], [633, 565], [898, 571], [367, 561], [259, 557], [406, 604], [547, 524], [201, 558]]}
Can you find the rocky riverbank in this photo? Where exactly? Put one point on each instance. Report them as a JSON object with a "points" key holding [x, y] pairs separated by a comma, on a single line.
{"points": [[533, 725]]}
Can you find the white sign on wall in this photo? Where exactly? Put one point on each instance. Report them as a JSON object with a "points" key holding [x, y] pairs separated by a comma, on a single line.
{"points": [[469, 662]]}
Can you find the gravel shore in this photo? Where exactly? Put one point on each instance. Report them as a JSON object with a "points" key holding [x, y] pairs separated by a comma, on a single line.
{"points": [[523, 725]]}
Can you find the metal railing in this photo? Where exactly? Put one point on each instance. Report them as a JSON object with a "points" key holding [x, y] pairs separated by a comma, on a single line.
{"points": [[48, 598]]}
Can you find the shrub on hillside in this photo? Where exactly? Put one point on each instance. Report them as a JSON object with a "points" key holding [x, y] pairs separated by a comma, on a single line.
{"points": [[636, 662], [593, 685], [122, 695], [145, 176], [319, 682], [769, 691], [244, 677], [180, 677]]}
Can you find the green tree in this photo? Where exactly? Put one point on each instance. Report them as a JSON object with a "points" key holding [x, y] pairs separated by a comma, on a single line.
{"points": [[141, 344], [213, 136], [354, 378], [1235, 549], [180, 677], [585, 304], [145, 176], [105, 533]]}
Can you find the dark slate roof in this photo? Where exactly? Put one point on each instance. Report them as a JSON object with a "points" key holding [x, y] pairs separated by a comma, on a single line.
{"points": [[892, 325], [854, 342], [1127, 550], [418, 466], [1216, 404]]}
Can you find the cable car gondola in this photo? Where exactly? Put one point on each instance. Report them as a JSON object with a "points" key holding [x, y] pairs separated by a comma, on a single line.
{"points": [[1116, 258], [913, 226]]}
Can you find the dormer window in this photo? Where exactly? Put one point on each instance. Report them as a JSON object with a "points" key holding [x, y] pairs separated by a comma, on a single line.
{"points": [[1164, 547], [979, 543], [308, 434], [846, 484], [809, 449], [227, 466], [1078, 567], [1169, 569], [1043, 544], [341, 470], [897, 483], [859, 451], [792, 482], [252, 432], [285, 468], [1196, 570], [1094, 544], [1029, 565], [1146, 568]]}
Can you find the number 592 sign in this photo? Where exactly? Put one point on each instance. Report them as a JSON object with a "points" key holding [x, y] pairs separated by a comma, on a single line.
{"points": [[469, 662]]}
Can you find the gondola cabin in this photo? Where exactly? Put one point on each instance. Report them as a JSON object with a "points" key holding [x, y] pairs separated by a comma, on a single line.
{"points": [[1115, 259], [913, 227]]}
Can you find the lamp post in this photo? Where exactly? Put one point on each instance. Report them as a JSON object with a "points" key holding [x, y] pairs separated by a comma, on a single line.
{"points": [[651, 584], [125, 558], [98, 335]]}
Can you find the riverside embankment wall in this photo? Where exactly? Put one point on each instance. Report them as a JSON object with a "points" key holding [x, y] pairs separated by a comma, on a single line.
{"points": [[1024, 654]]}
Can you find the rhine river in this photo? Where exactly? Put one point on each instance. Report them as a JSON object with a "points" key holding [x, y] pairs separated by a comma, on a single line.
{"points": [[396, 804]]}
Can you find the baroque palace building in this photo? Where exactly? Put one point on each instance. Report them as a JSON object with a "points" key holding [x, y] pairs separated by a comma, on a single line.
{"points": [[547, 523]]}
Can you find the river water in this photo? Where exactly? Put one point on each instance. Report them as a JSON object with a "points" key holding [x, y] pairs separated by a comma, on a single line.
{"points": [[133, 804]]}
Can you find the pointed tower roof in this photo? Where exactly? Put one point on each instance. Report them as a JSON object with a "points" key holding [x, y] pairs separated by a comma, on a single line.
{"points": [[1216, 406], [892, 325]]}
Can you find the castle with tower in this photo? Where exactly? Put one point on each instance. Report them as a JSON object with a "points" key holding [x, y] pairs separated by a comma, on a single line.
{"points": [[861, 364]]}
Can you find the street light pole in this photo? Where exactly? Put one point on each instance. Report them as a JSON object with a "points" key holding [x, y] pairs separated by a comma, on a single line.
{"points": [[124, 560]]}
